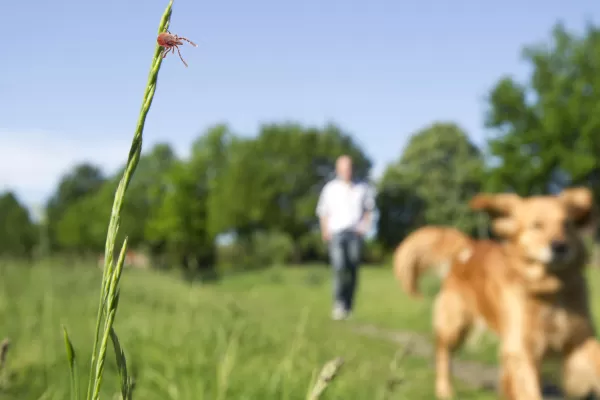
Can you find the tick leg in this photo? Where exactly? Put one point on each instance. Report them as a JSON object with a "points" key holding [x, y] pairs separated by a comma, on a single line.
{"points": [[165, 52], [189, 41], [184, 63]]}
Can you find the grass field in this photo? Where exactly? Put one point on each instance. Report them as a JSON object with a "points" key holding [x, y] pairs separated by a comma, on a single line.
{"points": [[258, 336]]}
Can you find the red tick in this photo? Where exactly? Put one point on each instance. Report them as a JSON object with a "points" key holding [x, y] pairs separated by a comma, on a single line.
{"points": [[171, 42]]}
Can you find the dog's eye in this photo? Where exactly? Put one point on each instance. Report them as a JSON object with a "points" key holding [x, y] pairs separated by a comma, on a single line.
{"points": [[537, 225]]}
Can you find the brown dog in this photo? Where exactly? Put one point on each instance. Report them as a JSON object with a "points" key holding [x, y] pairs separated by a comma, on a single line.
{"points": [[530, 290], [434, 248], [429, 247]]}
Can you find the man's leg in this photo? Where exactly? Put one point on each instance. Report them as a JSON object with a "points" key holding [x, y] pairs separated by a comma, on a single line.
{"points": [[338, 259], [354, 252]]}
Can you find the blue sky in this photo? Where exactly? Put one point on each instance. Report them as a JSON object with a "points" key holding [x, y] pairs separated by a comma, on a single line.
{"points": [[73, 74]]}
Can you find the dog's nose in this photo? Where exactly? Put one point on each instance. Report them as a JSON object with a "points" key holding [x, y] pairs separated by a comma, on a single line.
{"points": [[559, 247]]}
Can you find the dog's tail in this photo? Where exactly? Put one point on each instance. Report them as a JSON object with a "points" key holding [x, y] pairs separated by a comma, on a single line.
{"points": [[427, 247]]}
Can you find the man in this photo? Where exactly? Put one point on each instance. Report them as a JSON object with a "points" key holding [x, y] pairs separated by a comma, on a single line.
{"points": [[345, 208]]}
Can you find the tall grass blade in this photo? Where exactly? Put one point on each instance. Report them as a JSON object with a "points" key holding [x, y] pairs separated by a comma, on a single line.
{"points": [[126, 384], [110, 311], [112, 273], [329, 371], [72, 359]]}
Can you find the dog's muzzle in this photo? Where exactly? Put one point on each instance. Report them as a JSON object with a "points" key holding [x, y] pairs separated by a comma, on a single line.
{"points": [[561, 251]]}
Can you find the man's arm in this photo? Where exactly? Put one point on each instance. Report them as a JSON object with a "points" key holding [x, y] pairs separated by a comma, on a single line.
{"points": [[323, 222], [322, 213], [368, 208]]}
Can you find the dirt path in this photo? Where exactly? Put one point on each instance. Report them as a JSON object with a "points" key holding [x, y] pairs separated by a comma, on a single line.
{"points": [[474, 374]]}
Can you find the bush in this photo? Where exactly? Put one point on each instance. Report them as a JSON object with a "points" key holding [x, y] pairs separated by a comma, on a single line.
{"points": [[312, 248], [373, 252], [272, 248], [260, 250]]}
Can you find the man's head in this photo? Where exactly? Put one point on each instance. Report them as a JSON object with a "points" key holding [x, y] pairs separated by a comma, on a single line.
{"points": [[343, 168]]}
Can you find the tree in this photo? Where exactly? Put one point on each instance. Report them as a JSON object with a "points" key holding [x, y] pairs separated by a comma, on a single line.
{"points": [[544, 132], [82, 226], [146, 192], [77, 229], [401, 210], [438, 173], [272, 182], [83, 180], [180, 223], [18, 234]]}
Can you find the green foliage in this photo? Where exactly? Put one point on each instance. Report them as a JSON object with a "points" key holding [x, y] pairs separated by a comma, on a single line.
{"points": [[262, 190], [260, 250], [83, 180], [439, 171], [82, 226], [545, 131], [312, 247], [147, 191], [272, 248], [401, 210], [179, 223], [248, 336], [126, 381], [109, 289], [73, 369], [273, 182], [374, 252], [542, 138], [18, 233], [269, 185]]}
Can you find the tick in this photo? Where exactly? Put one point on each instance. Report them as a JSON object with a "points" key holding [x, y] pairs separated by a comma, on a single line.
{"points": [[170, 42]]}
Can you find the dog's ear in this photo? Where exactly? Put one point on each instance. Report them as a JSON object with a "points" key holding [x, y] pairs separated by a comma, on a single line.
{"points": [[496, 205], [580, 204], [505, 227]]}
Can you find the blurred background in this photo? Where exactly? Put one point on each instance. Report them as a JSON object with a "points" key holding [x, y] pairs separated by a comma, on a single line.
{"points": [[434, 101]]}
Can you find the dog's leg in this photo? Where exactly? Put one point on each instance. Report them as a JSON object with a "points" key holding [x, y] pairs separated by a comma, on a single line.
{"points": [[520, 370], [451, 321], [519, 378], [581, 370]]}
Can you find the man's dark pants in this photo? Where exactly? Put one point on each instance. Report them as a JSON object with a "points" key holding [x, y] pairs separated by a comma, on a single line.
{"points": [[345, 250]]}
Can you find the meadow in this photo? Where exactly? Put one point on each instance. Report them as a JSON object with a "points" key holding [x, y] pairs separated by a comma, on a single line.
{"points": [[263, 335], [267, 334]]}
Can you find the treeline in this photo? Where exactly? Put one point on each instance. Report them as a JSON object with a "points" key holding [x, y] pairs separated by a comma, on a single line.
{"points": [[249, 201]]}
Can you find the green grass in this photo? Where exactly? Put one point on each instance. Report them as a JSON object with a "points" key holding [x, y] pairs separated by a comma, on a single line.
{"points": [[109, 288], [255, 336]]}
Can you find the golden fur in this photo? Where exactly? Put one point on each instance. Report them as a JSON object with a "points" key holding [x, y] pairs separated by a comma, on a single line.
{"points": [[530, 290], [427, 247]]}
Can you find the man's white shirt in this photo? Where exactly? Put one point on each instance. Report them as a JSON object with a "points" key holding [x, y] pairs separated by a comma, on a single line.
{"points": [[344, 204]]}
